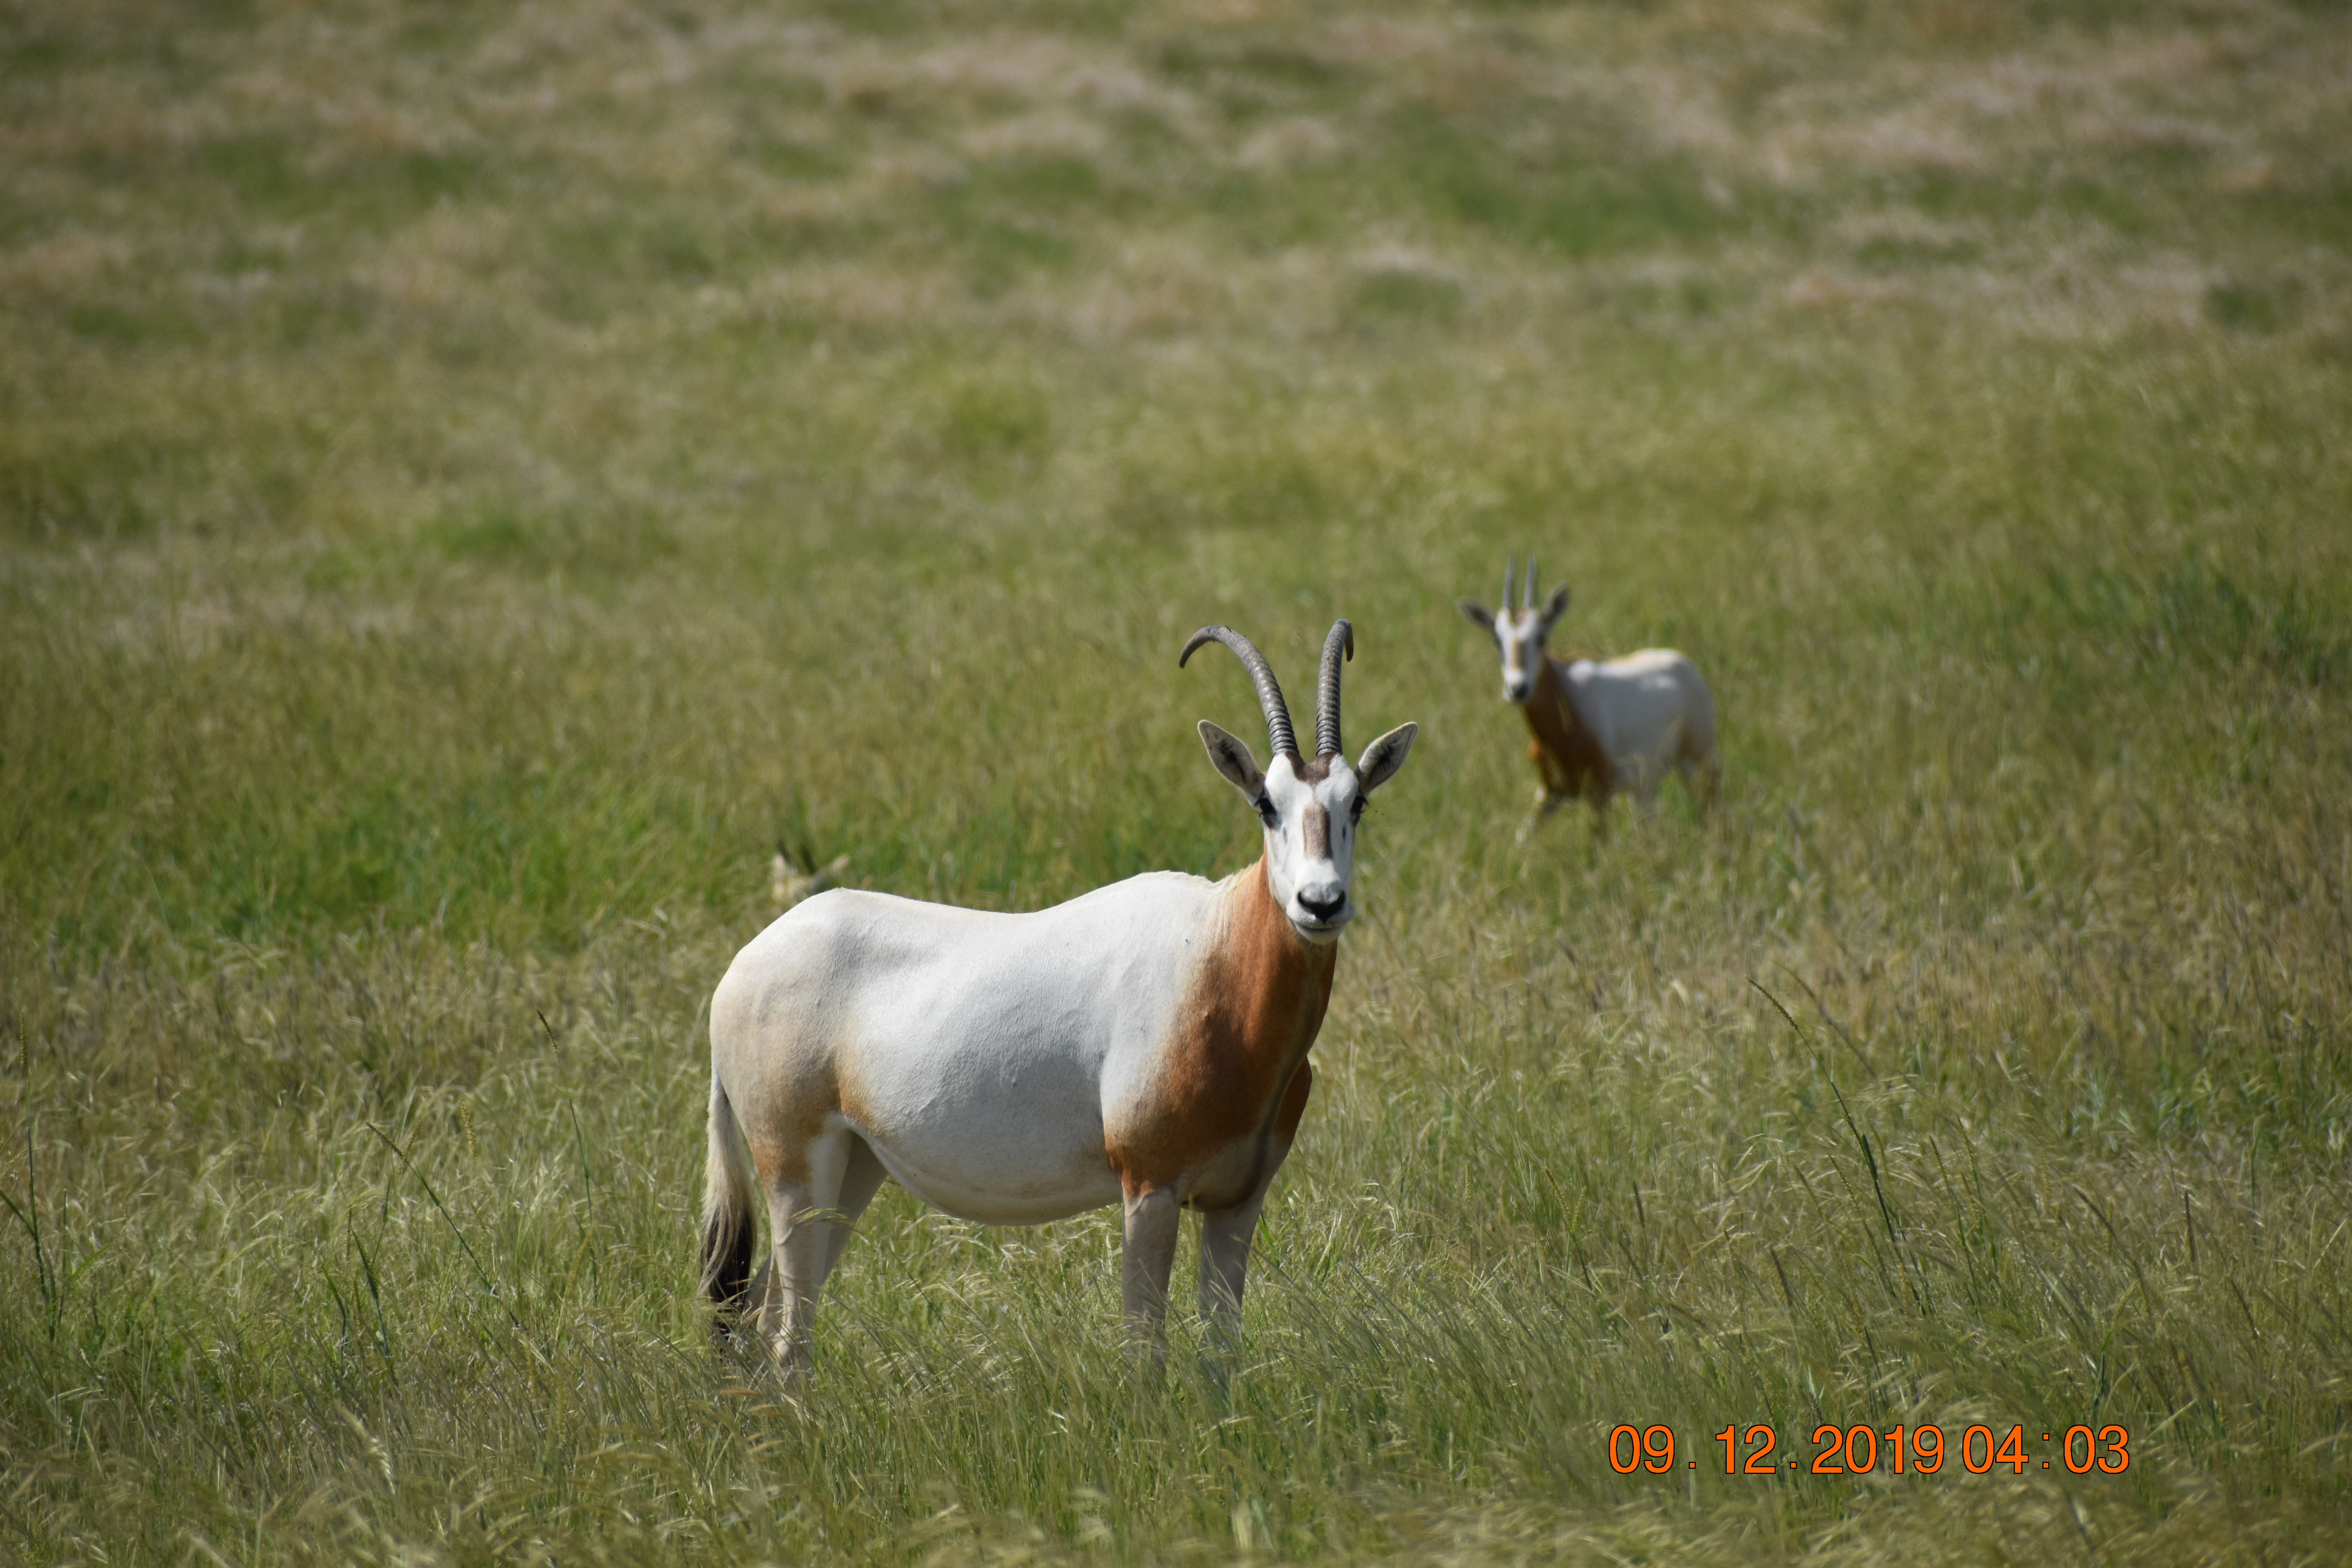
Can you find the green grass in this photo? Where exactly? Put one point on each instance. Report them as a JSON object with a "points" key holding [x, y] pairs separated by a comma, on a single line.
{"points": [[474, 480]]}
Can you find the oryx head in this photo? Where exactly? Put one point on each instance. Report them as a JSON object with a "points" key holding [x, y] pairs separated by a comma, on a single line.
{"points": [[1310, 809], [1519, 630]]}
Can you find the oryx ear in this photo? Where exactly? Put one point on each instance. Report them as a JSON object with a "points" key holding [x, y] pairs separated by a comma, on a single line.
{"points": [[1555, 606], [1233, 760], [1478, 614], [1383, 757]]}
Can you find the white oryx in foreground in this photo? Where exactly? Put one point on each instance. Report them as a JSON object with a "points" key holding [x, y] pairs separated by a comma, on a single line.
{"points": [[1144, 1044], [1598, 729]]}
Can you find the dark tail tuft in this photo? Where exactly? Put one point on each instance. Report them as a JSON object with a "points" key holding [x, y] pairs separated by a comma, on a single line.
{"points": [[728, 1227]]}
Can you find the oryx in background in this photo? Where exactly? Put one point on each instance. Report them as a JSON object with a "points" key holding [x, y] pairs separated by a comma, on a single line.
{"points": [[1144, 1044], [1599, 728]]}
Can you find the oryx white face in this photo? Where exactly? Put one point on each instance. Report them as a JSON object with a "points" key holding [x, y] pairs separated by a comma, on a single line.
{"points": [[1310, 812], [1519, 635]]}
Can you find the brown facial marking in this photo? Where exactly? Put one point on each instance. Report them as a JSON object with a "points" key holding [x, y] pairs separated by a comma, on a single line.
{"points": [[1566, 754], [1315, 830], [1313, 773], [1240, 1040]]}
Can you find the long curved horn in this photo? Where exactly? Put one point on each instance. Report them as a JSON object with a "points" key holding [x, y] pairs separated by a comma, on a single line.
{"points": [[1269, 691], [1341, 645], [1511, 571]]}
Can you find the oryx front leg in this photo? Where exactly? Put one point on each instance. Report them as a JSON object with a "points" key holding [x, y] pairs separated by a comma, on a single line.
{"points": [[1226, 1238], [1147, 1256], [1547, 802], [1226, 1234]]}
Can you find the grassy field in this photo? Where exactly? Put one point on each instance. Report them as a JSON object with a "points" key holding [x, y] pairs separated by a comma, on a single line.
{"points": [[475, 479]]}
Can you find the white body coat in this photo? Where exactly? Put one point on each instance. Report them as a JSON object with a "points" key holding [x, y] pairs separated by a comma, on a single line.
{"points": [[980, 1056], [1649, 712]]}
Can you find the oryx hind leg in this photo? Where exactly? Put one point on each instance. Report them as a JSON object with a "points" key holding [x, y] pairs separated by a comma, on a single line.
{"points": [[860, 1179], [1702, 767], [1702, 762], [803, 1198], [1640, 776], [1703, 777]]}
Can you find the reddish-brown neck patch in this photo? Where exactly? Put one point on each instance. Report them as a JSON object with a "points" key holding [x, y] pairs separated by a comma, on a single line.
{"points": [[1254, 1006], [1565, 753]]}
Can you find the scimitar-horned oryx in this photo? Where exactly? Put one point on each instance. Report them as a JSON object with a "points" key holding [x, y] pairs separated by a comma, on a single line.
{"points": [[1598, 729], [1144, 1044]]}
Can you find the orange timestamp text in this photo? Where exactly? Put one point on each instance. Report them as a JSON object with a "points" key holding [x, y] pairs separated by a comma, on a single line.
{"points": [[1859, 1450]]}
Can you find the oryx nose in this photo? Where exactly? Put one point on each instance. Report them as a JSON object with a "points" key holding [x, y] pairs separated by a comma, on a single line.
{"points": [[1322, 908]]}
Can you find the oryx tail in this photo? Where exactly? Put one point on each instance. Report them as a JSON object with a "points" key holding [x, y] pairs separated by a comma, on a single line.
{"points": [[728, 1223]]}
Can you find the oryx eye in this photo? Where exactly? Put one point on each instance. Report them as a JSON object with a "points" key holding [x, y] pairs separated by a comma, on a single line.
{"points": [[1265, 810], [1355, 812]]}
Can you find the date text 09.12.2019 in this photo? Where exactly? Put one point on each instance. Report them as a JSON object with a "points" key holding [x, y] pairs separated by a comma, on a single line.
{"points": [[1857, 1450]]}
